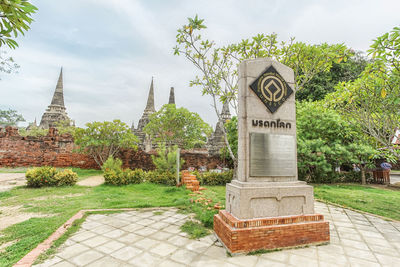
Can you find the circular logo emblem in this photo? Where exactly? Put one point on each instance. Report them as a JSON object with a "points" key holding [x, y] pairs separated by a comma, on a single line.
{"points": [[272, 88]]}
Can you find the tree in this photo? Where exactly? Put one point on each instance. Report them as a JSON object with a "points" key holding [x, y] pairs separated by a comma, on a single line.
{"points": [[101, 140], [177, 126], [218, 65], [231, 127], [166, 159], [10, 118], [325, 140], [324, 82], [65, 127], [373, 100], [34, 131], [7, 64], [15, 17]]}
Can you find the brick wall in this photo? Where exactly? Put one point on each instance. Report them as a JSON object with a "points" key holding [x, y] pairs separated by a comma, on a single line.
{"points": [[51, 150], [57, 150]]}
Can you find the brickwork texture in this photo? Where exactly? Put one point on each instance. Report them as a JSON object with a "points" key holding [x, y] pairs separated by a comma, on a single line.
{"points": [[241, 236], [58, 151]]}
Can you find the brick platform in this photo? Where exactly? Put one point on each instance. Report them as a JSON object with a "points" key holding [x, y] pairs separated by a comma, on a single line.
{"points": [[240, 236]]}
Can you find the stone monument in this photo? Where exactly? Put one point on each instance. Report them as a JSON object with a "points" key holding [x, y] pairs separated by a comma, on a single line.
{"points": [[56, 111], [267, 207]]}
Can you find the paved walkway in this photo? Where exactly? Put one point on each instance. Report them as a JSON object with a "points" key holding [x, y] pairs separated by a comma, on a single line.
{"points": [[394, 178], [148, 238]]}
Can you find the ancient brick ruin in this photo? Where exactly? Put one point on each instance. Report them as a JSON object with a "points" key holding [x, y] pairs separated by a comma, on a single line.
{"points": [[58, 151]]}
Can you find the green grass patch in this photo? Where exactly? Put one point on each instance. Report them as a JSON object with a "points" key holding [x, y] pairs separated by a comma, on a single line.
{"points": [[380, 201], [13, 170], [263, 251], [194, 229], [53, 249]]}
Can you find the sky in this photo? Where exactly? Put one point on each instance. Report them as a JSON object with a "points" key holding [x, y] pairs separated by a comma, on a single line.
{"points": [[110, 49]]}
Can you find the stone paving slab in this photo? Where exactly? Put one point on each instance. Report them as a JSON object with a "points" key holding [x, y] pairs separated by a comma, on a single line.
{"points": [[122, 239]]}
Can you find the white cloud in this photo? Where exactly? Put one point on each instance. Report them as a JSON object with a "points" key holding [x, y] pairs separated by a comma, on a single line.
{"points": [[110, 49]]}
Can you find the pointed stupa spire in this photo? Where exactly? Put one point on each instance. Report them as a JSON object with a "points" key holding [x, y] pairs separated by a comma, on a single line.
{"points": [[225, 113], [171, 96], [58, 97], [150, 99]]}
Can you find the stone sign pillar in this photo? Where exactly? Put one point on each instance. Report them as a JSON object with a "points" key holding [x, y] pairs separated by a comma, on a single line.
{"points": [[267, 207]]}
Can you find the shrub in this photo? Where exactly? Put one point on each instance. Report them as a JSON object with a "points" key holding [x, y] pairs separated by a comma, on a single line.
{"points": [[135, 176], [115, 175], [158, 177], [112, 177], [352, 177], [165, 161], [112, 164], [66, 177], [215, 178], [49, 176], [124, 177]]}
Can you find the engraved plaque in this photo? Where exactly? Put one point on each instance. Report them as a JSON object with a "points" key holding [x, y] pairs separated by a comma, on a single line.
{"points": [[272, 155]]}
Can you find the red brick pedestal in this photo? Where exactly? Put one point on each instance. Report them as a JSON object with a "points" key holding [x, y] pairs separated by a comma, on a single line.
{"points": [[241, 236]]}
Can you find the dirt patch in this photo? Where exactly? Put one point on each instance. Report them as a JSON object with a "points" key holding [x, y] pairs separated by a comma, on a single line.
{"points": [[10, 215], [58, 197], [10, 180], [92, 181], [7, 244]]}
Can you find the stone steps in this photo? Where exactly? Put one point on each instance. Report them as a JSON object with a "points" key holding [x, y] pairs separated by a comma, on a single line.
{"points": [[190, 181]]}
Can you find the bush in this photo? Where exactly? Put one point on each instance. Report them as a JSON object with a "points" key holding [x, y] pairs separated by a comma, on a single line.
{"points": [[353, 177], [124, 177], [115, 175], [215, 178], [165, 161], [66, 177], [335, 177], [157, 177], [112, 164], [135, 176], [49, 176]]}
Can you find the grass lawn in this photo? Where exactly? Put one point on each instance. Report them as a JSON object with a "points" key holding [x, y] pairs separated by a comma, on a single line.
{"points": [[384, 202], [59, 204], [13, 170]]}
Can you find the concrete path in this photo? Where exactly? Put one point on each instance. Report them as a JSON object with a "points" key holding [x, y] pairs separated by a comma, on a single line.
{"points": [[394, 178], [10, 180], [92, 181], [148, 238]]}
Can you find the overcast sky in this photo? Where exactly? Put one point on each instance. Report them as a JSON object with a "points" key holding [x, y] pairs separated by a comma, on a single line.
{"points": [[110, 49]]}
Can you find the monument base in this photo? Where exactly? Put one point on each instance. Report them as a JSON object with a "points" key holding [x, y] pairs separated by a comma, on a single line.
{"points": [[241, 236]]}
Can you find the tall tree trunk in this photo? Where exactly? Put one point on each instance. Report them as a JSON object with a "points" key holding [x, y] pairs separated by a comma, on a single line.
{"points": [[363, 179]]}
